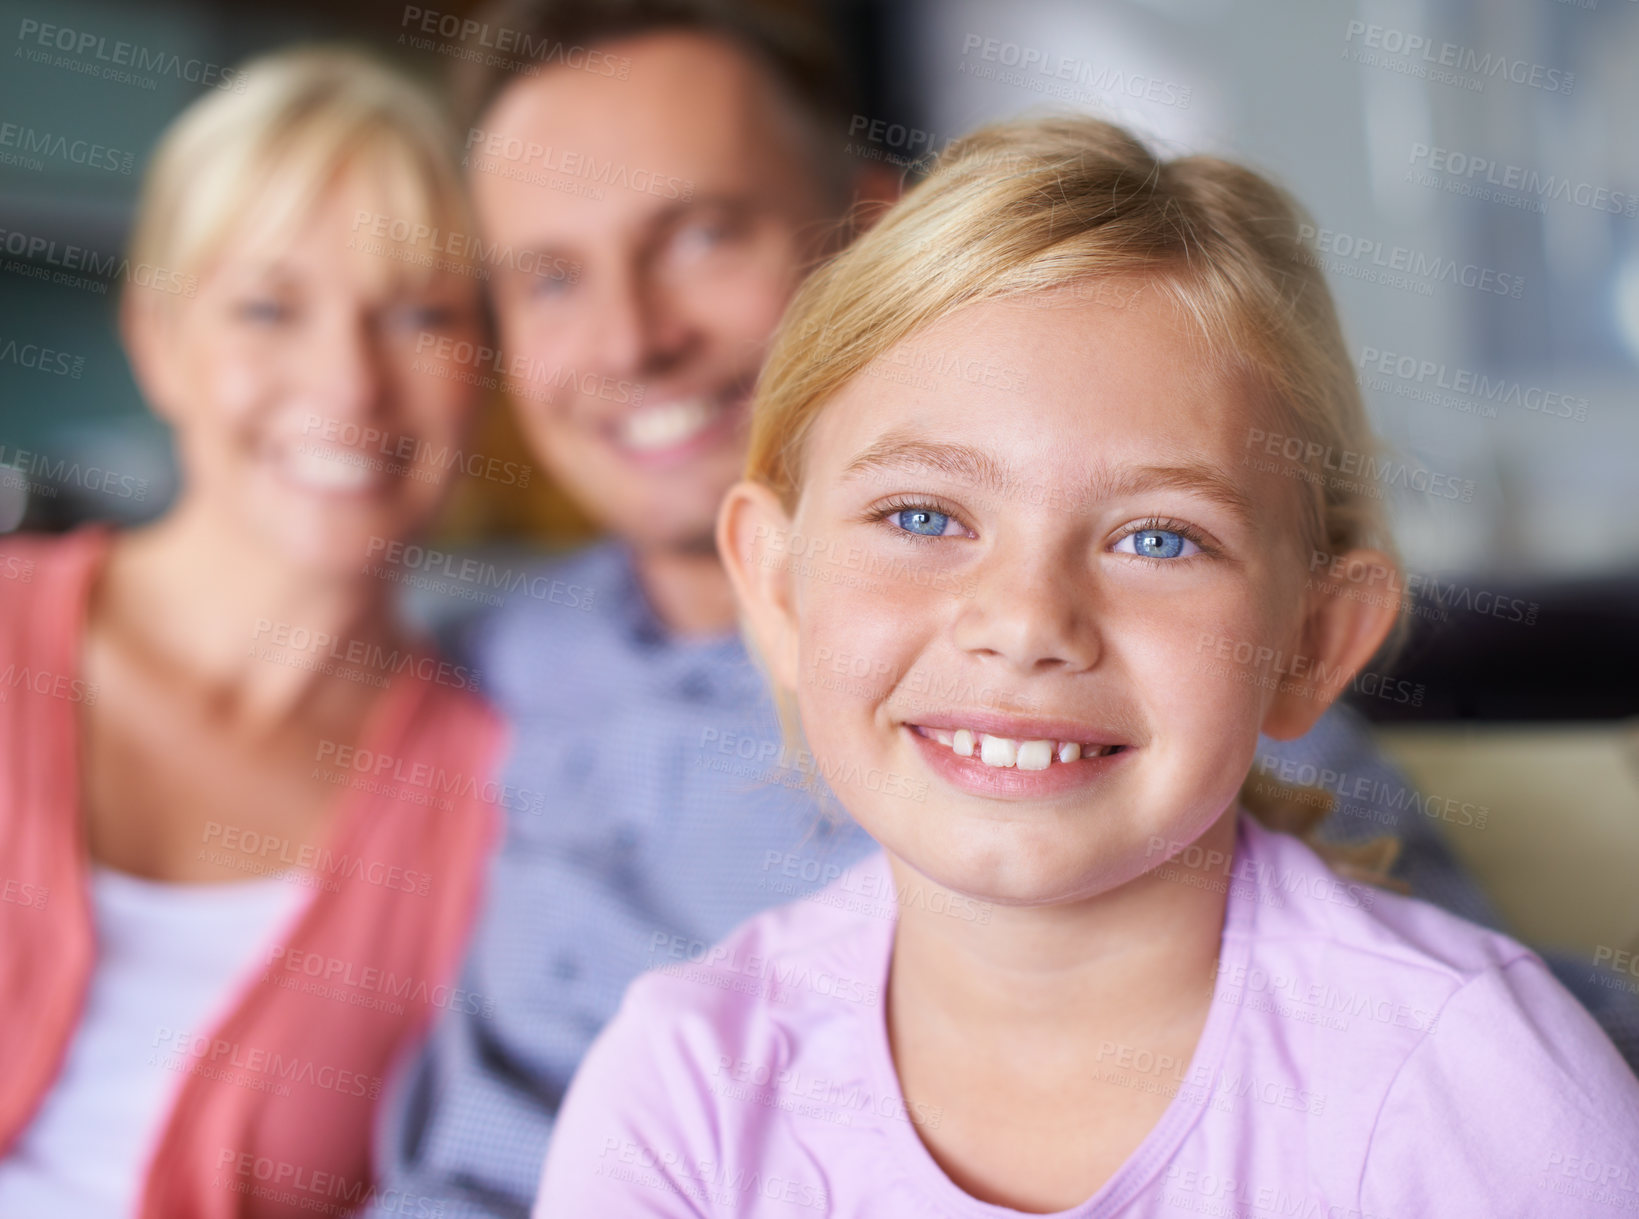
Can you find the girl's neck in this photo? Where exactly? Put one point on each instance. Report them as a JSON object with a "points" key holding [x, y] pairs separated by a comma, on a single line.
{"points": [[192, 594], [1145, 951], [1045, 1038]]}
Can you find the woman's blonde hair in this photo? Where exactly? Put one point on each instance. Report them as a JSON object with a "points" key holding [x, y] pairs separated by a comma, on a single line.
{"points": [[1038, 205], [292, 124]]}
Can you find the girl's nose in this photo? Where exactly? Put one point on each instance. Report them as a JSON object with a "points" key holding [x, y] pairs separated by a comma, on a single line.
{"points": [[1031, 614]]}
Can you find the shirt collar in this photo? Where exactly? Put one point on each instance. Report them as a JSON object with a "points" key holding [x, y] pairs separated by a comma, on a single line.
{"points": [[706, 667]]}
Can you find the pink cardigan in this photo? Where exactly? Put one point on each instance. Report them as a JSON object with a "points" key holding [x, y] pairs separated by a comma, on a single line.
{"points": [[277, 1110]]}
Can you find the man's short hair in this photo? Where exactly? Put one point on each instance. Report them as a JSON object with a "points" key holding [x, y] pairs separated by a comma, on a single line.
{"points": [[791, 38]]}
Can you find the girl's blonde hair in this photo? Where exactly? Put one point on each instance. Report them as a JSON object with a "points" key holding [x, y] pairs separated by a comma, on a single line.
{"points": [[289, 126], [1067, 203]]}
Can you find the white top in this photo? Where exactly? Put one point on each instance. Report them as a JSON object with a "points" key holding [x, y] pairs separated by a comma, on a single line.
{"points": [[169, 957]]}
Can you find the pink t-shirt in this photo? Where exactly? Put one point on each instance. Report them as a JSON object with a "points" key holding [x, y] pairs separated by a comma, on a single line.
{"points": [[1366, 1056]]}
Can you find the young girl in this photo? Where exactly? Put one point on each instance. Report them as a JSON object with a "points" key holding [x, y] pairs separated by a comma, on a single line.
{"points": [[1003, 547]]}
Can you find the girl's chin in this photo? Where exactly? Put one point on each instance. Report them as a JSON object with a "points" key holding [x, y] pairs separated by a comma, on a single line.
{"points": [[1031, 875]]}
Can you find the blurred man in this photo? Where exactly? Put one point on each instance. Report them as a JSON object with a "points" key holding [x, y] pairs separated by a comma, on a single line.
{"points": [[683, 162], [678, 165]]}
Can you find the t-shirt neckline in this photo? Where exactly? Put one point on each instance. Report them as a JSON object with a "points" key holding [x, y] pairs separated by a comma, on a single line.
{"points": [[1164, 1138]]}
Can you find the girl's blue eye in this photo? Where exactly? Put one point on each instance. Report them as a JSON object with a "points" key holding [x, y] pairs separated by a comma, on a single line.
{"points": [[1157, 544], [922, 520]]}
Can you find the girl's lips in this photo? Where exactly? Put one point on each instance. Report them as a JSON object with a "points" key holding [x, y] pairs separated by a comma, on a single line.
{"points": [[1008, 782]]}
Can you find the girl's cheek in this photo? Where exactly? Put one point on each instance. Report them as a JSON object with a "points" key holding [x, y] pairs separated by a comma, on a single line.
{"points": [[1223, 669], [857, 635]]}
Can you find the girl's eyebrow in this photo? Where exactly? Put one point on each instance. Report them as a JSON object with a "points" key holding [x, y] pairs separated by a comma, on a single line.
{"points": [[896, 451], [979, 469]]}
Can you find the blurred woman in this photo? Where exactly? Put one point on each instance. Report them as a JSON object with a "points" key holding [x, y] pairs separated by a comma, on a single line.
{"points": [[242, 817]]}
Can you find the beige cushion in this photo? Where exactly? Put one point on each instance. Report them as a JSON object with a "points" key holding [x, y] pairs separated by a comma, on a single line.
{"points": [[1559, 849]]}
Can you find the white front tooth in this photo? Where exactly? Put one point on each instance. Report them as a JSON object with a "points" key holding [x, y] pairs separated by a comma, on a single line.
{"points": [[938, 734], [962, 742], [1069, 751], [998, 750], [1035, 755]]}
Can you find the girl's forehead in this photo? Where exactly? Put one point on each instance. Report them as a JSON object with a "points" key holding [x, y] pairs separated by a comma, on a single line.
{"points": [[1011, 375]]}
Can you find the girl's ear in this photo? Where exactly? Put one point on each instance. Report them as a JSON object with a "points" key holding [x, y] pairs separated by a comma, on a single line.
{"points": [[1350, 611], [753, 541]]}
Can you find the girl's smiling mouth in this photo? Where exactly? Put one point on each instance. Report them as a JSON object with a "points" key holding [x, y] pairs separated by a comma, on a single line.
{"points": [[1000, 756]]}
